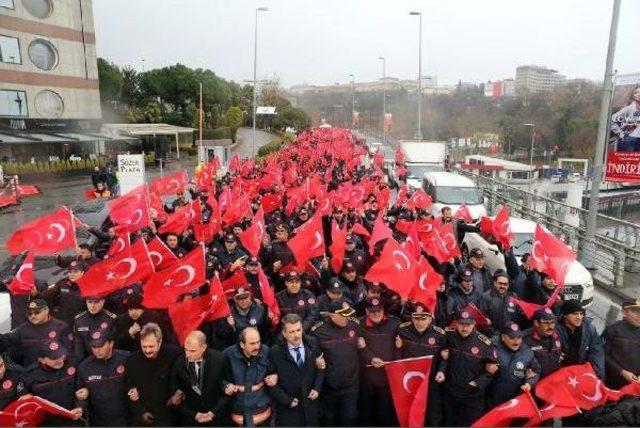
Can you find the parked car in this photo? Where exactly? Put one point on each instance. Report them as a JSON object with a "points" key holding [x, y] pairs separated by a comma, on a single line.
{"points": [[75, 158], [578, 283]]}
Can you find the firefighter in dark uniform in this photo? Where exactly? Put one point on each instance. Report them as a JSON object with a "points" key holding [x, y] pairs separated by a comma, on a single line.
{"points": [[252, 268], [245, 312], [543, 340], [128, 325], [64, 296], [333, 293], [419, 338], [96, 317], [338, 340], [378, 331], [54, 379], [11, 384], [296, 300], [354, 288], [461, 295], [231, 257], [622, 347], [23, 342], [355, 256], [471, 365], [101, 382], [519, 370]]}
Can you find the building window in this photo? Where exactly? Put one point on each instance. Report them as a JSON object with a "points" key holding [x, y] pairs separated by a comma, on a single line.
{"points": [[39, 8], [9, 50], [43, 54], [49, 104], [6, 3], [13, 103]]}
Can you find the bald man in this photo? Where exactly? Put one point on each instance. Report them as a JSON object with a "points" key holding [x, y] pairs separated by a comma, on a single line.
{"points": [[197, 374]]}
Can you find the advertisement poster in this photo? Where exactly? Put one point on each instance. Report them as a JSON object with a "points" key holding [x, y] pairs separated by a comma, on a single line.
{"points": [[623, 148]]}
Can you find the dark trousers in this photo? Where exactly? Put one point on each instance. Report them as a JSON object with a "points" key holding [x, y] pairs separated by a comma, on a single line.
{"points": [[340, 407], [376, 407], [435, 417], [462, 412]]}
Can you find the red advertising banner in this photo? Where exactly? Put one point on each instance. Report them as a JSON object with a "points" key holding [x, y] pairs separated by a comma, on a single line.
{"points": [[623, 148]]}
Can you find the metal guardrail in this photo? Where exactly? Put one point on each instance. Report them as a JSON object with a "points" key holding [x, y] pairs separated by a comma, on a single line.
{"points": [[617, 242]]}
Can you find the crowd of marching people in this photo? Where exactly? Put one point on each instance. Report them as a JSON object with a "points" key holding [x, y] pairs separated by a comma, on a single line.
{"points": [[281, 292]]}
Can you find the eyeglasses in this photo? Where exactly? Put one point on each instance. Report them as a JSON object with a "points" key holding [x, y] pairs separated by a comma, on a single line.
{"points": [[502, 283]]}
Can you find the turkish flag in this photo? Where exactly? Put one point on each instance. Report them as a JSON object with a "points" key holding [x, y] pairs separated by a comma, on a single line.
{"points": [[357, 195], [530, 309], [395, 268], [522, 406], [236, 280], [269, 297], [23, 282], [234, 164], [481, 318], [119, 244], [380, 231], [337, 247], [237, 211], [551, 411], [419, 200], [116, 272], [225, 199], [48, 234], [131, 211], [551, 256], [195, 212], [247, 167], [177, 222], [207, 232], [183, 276], [463, 213], [502, 228], [450, 238], [573, 386], [486, 225], [433, 244], [187, 315], [31, 412], [359, 229], [378, 158], [170, 184], [203, 179], [426, 285], [326, 203], [156, 203], [161, 256], [409, 385], [399, 156], [308, 242], [251, 238], [412, 242], [402, 196], [271, 202]]}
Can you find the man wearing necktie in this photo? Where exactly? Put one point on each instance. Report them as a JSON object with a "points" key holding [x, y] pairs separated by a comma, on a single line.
{"points": [[299, 364], [197, 374]]}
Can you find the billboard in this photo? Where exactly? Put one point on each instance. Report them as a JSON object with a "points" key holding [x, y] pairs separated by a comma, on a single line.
{"points": [[623, 147]]}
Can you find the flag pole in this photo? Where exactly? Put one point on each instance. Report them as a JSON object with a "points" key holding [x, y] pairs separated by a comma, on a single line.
{"points": [[533, 401], [384, 363]]}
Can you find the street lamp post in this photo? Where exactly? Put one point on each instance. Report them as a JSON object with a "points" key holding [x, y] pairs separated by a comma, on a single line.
{"points": [[419, 130], [533, 133], [384, 98], [353, 99], [255, 85]]}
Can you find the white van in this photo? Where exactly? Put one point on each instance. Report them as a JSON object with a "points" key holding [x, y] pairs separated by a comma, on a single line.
{"points": [[452, 190]]}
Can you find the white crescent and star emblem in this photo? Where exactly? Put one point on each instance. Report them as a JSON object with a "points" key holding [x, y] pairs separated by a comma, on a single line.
{"points": [[133, 264], [534, 253], [404, 257], [410, 374], [121, 245], [318, 242], [22, 268], [61, 232], [191, 274], [597, 395], [136, 218], [155, 257], [422, 281], [449, 241]]}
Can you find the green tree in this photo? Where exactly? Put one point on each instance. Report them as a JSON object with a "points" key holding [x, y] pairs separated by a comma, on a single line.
{"points": [[110, 79], [232, 118]]}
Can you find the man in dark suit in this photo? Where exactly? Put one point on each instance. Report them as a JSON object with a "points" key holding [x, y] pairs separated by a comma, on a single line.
{"points": [[300, 368], [198, 374]]}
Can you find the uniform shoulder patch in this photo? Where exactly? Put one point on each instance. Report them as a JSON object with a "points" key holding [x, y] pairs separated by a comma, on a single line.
{"points": [[80, 314], [405, 324], [317, 325], [355, 320], [449, 329], [484, 339], [110, 314], [438, 329]]}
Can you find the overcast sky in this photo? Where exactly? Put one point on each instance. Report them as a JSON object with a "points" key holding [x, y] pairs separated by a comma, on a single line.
{"points": [[323, 41]]}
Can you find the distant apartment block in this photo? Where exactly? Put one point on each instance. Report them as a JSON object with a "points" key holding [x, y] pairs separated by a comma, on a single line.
{"points": [[429, 86], [531, 79]]}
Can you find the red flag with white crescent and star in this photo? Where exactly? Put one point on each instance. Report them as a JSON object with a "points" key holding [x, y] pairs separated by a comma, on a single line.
{"points": [[308, 242], [51, 233], [170, 184], [551, 256], [31, 412], [409, 384], [463, 213], [426, 285], [419, 200], [450, 239], [502, 228], [119, 244], [522, 406], [269, 297], [161, 256], [337, 247], [251, 238], [130, 212], [24, 280], [114, 273], [573, 386], [395, 268], [380, 231], [182, 277]]}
